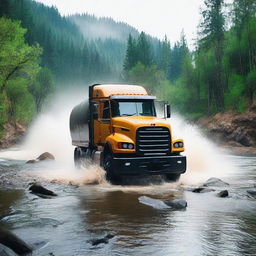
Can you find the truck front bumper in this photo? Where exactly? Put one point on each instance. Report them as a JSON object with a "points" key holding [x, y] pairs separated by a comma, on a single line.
{"points": [[149, 165]]}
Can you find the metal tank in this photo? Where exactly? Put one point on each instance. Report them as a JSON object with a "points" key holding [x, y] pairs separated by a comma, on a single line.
{"points": [[78, 124]]}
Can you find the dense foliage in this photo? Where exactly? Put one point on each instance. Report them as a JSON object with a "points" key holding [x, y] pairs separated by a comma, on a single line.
{"points": [[219, 75], [40, 50]]}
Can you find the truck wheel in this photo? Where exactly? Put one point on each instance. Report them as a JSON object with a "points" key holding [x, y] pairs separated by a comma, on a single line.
{"points": [[108, 167], [172, 177], [80, 155]]}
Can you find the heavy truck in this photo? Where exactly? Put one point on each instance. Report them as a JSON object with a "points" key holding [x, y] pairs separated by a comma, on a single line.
{"points": [[120, 128]]}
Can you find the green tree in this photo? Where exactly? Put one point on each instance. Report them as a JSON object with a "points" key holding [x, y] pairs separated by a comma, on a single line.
{"points": [[212, 37], [149, 76], [144, 51], [42, 87], [17, 59], [131, 57]]}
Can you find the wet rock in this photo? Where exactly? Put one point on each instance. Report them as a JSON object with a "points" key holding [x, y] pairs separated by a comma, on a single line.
{"points": [[177, 204], [42, 157], [161, 205], [155, 203], [202, 190], [252, 192], [46, 156], [5, 251], [223, 193], [11, 241], [215, 182], [39, 190], [104, 240], [33, 161]]}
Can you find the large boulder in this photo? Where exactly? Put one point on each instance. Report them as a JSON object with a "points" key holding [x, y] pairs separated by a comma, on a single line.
{"points": [[39, 190], [13, 242]]}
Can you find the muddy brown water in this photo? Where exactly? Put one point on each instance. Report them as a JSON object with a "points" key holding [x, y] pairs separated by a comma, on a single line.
{"points": [[64, 225]]}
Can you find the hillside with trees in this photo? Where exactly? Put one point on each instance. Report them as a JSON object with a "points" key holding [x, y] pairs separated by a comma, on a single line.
{"points": [[219, 75], [42, 51]]}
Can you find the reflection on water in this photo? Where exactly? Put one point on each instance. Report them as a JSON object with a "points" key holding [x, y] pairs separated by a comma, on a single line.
{"points": [[209, 226]]}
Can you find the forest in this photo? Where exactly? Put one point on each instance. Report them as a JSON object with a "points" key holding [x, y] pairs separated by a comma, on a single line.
{"points": [[42, 51]]}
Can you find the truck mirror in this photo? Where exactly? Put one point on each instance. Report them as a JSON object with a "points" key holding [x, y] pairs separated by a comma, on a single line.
{"points": [[168, 110]]}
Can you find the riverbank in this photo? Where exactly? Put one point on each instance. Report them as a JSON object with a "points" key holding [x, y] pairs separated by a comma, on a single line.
{"points": [[13, 133], [236, 133]]}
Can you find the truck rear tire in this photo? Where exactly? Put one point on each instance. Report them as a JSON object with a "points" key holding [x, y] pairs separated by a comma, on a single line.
{"points": [[81, 155], [108, 167], [172, 177]]}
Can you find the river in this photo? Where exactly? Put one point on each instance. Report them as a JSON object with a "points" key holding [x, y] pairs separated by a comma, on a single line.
{"points": [[88, 207]]}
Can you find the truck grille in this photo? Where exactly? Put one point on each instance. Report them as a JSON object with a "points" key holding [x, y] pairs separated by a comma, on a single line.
{"points": [[153, 141]]}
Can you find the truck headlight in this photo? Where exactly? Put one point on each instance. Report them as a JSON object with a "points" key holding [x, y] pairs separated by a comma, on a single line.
{"points": [[125, 145], [178, 145]]}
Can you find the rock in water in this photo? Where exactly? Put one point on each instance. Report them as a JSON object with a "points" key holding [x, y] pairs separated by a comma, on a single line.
{"points": [[33, 161], [215, 182], [223, 193], [177, 204], [155, 203], [159, 204], [103, 240], [46, 156], [11, 241], [252, 192], [38, 189], [202, 190]]}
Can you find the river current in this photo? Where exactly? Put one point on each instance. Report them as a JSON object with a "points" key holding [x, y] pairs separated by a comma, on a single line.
{"points": [[87, 207]]}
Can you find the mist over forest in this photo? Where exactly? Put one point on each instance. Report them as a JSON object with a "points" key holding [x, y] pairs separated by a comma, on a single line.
{"points": [[42, 51]]}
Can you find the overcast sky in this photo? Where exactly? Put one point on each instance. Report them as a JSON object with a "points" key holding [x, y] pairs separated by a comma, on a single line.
{"points": [[155, 17]]}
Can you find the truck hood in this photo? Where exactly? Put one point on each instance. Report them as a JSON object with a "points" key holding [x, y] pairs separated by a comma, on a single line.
{"points": [[134, 122]]}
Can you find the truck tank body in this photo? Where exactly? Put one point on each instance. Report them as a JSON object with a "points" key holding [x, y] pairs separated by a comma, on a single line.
{"points": [[78, 123]]}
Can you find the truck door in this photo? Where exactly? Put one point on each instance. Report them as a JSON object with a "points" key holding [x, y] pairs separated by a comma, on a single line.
{"points": [[102, 125]]}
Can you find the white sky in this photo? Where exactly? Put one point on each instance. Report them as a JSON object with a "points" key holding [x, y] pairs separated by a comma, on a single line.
{"points": [[155, 17]]}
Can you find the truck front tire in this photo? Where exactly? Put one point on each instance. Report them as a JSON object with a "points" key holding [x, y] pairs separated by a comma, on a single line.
{"points": [[172, 177], [108, 167]]}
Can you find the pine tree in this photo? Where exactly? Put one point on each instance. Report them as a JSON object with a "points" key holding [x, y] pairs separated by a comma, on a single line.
{"points": [[144, 50], [212, 37], [131, 57]]}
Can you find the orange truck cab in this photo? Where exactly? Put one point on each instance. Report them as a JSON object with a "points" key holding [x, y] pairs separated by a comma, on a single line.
{"points": [[119, 127]]}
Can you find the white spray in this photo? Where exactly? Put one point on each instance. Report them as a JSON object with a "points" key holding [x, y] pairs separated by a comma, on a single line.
{"points": [[50, 132]]}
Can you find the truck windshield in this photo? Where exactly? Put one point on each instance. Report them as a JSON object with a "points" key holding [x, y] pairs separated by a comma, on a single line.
{"points": [[133, 108]]}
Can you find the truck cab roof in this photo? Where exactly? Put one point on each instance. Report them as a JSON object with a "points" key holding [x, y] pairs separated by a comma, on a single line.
{"points": [[108, 90]]}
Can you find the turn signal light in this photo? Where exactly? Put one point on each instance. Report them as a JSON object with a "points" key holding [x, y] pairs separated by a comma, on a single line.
{"points": [[125, 145]]}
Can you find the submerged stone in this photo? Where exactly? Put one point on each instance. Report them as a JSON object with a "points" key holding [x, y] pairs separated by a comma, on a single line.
{"points": [[215, 182], [252, 192], [39, 190], [223, 193], [202, 190], [104, 240]]}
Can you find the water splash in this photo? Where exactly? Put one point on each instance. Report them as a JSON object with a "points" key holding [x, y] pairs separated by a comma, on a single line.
{"points": [[50, 132], [204, 158]]}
